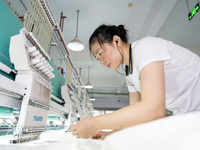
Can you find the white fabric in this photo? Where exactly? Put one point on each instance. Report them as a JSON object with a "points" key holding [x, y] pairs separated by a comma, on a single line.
{"points": [[181, 68], [179, 132], [52, 140]]}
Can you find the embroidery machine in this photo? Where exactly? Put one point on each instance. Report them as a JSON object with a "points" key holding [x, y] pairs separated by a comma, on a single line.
{"points": [[33, 97]]}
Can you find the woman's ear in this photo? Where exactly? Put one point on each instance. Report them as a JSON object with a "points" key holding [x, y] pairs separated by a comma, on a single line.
{"points": [[116, 40]]}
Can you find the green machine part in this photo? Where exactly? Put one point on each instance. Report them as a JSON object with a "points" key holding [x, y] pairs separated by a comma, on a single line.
{"points": [[9, 26], [57, 82], [6, 112]]}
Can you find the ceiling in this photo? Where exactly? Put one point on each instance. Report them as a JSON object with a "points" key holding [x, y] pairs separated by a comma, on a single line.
{"points": [[167, 19]]}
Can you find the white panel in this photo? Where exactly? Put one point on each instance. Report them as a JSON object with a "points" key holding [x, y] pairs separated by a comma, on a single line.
{"points": [[11, 86], [18, 53]]}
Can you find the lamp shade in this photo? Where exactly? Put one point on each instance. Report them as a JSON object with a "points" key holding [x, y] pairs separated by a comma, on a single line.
{"points": [[92, 99], [75, 45], [88, 86]]}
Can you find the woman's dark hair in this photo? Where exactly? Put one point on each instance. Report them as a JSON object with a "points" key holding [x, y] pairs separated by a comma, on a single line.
{"points": [[104, 34]]}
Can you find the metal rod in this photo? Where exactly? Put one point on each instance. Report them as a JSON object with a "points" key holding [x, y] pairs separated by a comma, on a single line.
{"points": [[57, 99], [88, 74], [77, 23], [5, 56], [80, 72], [61, 19], [23, 4], [103, 93]]}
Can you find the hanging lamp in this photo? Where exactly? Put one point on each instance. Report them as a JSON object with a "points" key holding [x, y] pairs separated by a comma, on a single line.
{"points": [[92, 98], [88, 85], [75, 44]]}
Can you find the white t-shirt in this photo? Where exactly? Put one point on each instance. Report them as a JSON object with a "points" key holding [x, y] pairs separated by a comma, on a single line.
{"points": [[181, 68]]}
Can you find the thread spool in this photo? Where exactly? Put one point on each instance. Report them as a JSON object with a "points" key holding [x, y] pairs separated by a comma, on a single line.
{"points": [[73, 98], [43, 59], [41, 67], [45, 62], [32, 49], [52, 76], [48, 75], [35, 53], [47, 72], [71, 93], [47, 65], [35, 61], [39, 56], [39, 64], [51, 68], [44, 70]]}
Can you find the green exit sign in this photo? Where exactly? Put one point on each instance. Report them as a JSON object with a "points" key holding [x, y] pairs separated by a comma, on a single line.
{"points": [[193, 12]]}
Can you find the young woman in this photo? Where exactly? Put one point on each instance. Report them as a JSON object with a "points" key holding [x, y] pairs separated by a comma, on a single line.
{"points": [[160, 75]]}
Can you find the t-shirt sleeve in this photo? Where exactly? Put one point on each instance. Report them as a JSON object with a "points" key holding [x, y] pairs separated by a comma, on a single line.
{"points": [[130, 85], [151, 49]]}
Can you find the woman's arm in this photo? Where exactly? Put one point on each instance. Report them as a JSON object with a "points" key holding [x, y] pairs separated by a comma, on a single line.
{"points": [[134, 97], [101, 135], [150, 107]]}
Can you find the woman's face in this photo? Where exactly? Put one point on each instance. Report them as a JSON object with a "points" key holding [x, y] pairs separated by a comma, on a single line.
{"points": [[108, 55]]}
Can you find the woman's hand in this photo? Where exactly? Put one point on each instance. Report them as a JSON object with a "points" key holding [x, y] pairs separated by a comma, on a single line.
{"points": [[85, 128], [101, 135]]}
